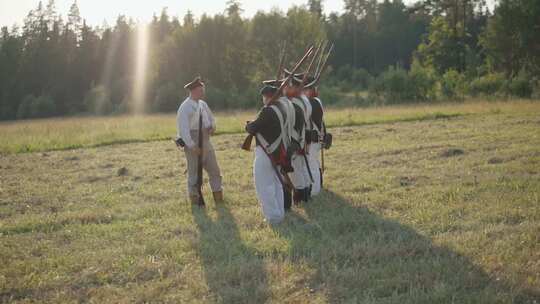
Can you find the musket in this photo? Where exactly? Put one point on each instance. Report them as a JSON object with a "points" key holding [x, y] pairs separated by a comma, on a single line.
{"points": [[247, 142], [249, 139], [323, 67], [318, 78], [200, 164], [306, 74], [320, 58]]}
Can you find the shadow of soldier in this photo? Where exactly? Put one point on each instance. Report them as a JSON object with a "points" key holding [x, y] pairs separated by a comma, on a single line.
{"points": [[358, 256], [234, 272]]}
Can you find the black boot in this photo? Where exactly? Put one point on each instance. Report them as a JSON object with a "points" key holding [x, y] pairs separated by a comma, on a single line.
{"points": [[298, 196], [287, 199], [305, 193]]}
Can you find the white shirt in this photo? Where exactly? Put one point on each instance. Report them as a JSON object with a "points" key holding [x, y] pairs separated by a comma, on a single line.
{"points": [[187, 119]]}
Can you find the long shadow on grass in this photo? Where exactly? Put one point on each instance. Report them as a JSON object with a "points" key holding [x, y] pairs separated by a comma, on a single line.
{"points": [[361, 257], [233, 271]]}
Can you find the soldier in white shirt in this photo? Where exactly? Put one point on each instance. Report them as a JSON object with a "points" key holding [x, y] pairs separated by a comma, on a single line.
{"points": [[187, 124]]}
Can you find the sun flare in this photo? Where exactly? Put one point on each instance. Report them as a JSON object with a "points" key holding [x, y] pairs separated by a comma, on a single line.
{"points": [[141, 60]]}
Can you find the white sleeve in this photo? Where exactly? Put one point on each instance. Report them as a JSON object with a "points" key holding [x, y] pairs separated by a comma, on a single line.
{"points": [[183, 126], [210, 116]]}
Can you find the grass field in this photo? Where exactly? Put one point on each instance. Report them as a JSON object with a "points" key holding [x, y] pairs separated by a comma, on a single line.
{"points": [[79, 132], [444, 208]]}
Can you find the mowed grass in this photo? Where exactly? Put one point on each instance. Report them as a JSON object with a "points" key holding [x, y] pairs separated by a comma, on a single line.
{"points": [[433, 211], [78, 132]]}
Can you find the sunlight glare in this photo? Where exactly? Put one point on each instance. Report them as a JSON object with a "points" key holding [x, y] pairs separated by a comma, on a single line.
{"points": [[141, 60]]}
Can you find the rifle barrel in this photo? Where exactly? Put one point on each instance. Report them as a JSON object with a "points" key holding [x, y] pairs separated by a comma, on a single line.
{"points": [[320, 58], [296, 67], [282, 59], [325, 62], [315, 55]]}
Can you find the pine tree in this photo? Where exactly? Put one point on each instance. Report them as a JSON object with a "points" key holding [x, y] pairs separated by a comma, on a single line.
{"points": [[74, 21]]}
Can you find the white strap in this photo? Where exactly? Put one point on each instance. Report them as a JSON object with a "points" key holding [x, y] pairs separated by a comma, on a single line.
{"points": [[295, 135], [320, 102], [270, 148], [290, 118], [264, 143], [300, 103], [284, 139], [314, 124], [323, 127], [308, 110]]}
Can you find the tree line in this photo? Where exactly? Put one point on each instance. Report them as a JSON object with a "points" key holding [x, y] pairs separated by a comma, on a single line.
{"points": [[385, 52]]}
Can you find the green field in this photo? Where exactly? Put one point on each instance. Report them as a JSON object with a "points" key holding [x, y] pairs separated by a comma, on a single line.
{"points": [[424, 204], [82, 132]]}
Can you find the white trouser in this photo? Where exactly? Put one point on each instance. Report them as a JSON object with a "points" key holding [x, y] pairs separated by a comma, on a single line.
{"points": [[268, 187], [209, 163], [300, 177], [314, 165]]}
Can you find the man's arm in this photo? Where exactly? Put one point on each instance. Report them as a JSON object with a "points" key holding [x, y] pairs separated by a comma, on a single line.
{"points": [[255, 126], [183, 126]]}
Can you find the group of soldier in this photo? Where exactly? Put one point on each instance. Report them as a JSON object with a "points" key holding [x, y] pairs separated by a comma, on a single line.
{"points": [[289, 132], [290, 135]]}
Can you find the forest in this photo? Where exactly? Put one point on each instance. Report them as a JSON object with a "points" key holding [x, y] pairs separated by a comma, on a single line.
{"points": [[385, 52]]}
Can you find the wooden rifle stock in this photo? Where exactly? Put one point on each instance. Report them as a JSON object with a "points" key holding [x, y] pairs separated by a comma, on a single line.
{"points": [[247, 142]]}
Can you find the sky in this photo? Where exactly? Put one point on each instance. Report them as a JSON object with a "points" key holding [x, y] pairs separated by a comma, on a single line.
{"points": [[96, 11]]}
